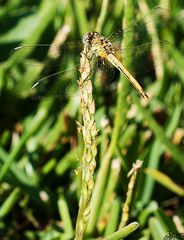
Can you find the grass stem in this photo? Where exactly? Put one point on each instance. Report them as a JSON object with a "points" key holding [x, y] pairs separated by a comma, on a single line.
{"points": [[89, 132]]}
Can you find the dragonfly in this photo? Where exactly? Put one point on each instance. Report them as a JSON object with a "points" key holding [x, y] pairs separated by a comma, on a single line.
{"points": [[103, 48], [64, 60]]}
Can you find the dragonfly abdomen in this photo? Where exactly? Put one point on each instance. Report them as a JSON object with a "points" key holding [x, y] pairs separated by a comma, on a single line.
{"points": [[128, 75]]}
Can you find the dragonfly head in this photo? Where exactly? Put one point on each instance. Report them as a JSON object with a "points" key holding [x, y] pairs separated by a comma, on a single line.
{"points": [[89, 36]]}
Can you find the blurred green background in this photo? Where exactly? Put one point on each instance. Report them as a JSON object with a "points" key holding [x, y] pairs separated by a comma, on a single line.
{"points": [[40, 148]]}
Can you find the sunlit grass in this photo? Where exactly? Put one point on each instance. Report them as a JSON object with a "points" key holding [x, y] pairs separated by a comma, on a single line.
{"points": [[41, 149]]}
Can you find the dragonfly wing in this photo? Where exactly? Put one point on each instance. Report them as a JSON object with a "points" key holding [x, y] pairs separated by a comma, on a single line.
{"points": [[66, 82], [104, 73], [44, 66], [40, 54], [63, 83], [139, 30], [145, 56]]}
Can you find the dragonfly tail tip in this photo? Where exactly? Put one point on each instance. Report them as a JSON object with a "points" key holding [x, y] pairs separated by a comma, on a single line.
{"points": [[145, 95]]}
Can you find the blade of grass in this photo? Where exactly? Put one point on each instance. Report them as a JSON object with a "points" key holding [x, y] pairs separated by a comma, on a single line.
{"points": [[124, 232], [160, 134], [111, 185], [102, 16], [80, 16], [43, 18], [65, 216], [8, 204], [18, 173], [156, 152], [113, 219], [157, 230], [36, 123], [165, 181]]}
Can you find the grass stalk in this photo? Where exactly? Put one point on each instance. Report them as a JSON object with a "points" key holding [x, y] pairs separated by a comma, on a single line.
{"points": [[89, 131], [156, 49], [126, 207], [120, 117]]}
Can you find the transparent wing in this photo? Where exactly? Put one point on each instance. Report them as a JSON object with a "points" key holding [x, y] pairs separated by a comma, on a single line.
{"points": [[144, 55], [57, 76], [46, 70], [40, 54], [104, 73], [141, 29], [137, 41], [62, 83], [65, 83]]}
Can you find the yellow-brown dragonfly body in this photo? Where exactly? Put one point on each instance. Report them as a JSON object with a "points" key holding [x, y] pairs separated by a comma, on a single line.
{"points": [[104, 49]]}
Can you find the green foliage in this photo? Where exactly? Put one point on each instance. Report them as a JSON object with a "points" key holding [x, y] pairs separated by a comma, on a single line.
{"points": [[40, 148]]}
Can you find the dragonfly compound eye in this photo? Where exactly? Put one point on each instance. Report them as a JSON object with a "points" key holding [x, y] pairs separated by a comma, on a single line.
{"points": [[96, 34], [89, 36]]}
